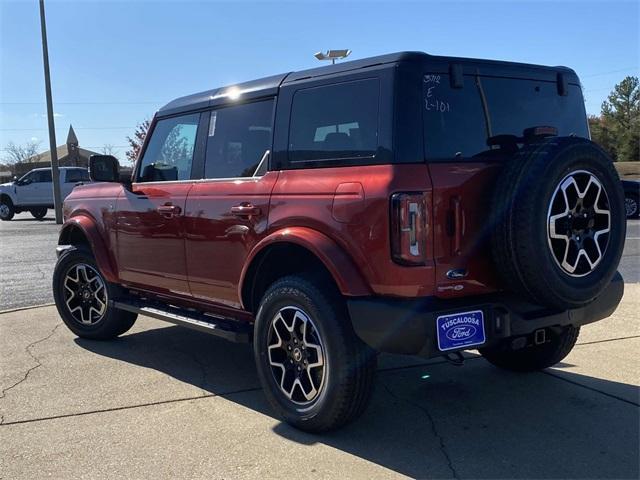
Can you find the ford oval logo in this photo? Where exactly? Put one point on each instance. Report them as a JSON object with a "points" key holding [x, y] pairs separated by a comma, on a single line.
{"points": [[461, 332]]}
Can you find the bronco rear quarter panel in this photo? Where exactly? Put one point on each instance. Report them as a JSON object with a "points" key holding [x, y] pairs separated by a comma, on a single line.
{"points": [[308, 198]]}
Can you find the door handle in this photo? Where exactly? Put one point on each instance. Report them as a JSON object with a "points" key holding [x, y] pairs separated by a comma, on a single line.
{"points": [[245, 210], [169, 210]]}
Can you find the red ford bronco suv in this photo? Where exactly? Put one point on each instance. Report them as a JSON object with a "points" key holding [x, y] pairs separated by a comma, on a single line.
{"points": [[405, 203]]}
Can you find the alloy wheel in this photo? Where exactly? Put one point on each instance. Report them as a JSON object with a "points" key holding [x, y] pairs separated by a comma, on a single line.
{"points": [[296, 355], [85, 294], [630, 206], [4, 210], [579, 223]]}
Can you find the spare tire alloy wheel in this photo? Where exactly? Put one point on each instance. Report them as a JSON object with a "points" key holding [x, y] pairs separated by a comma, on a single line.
{"points": [[296, 356], [85, 294], [579, 223]]}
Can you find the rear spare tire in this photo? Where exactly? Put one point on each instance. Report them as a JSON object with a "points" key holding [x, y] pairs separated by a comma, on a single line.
{"points": [[559, 222]]}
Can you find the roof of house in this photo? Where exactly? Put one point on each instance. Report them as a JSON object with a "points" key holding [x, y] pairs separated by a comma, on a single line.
{"points": [[62, 151], [437, 64]]}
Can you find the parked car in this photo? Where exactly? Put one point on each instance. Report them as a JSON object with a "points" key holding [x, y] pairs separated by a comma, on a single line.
{"points": [[33, 191], [405, 203], [631, 198]]}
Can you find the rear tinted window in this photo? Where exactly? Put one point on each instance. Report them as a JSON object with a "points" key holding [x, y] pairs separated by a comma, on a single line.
{"points": [[335, 122], [457, 125]]}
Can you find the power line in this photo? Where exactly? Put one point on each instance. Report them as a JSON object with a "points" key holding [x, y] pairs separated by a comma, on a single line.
{"points": [[64, 128], [86, 103], [607, 73]]}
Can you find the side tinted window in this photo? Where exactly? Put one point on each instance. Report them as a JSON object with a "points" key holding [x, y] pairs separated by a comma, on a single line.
{"points": [[169, 154], [238, 140], [42, 176], [335, 122], [77, 175], [457, 125]]}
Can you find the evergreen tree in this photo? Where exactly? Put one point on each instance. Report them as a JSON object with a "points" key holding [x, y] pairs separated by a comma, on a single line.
{"points": [[620, 121]]}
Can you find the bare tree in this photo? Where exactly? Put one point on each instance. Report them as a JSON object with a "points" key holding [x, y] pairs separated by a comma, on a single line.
{"points": [[109, 149], [21, 153]]}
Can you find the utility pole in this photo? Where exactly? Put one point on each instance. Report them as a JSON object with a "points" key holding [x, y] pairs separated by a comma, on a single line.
{"points": [[55, 172]]}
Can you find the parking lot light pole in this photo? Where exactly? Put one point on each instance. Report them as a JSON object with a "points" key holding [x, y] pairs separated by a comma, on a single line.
{"points": [[55, 172]]}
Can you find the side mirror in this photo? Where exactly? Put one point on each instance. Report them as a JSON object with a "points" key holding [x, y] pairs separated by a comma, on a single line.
{"points": [[104, 168]]}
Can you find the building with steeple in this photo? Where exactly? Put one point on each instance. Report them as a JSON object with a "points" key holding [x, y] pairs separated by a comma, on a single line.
{"points": [[69, 154]]}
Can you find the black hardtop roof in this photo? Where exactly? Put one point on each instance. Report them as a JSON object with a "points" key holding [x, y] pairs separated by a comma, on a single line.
{"points": [[268, 86]]}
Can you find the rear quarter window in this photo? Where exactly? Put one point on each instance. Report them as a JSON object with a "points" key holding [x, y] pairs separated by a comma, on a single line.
{"points": [[334, 124], [458, 121]]}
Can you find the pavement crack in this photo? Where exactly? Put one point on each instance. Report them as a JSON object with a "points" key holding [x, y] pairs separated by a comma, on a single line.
{"points": [[35, 359], [607, 340], [434, 428], [130, 407], [587, 387]]}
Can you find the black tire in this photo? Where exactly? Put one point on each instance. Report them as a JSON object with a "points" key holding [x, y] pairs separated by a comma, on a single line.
{"points": [[534, 357], [111, 323], [38, 213], [632, 205], [522, 248], [7, 210], [349, 365]]}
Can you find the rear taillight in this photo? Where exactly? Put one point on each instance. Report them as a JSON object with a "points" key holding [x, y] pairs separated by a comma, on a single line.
{"points": [[409, 228]]}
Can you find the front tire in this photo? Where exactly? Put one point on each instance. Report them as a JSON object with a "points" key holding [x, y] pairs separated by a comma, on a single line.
{"points": [[534, 357], [7, 210], [316, 373], [38, 213], [82, 297]]}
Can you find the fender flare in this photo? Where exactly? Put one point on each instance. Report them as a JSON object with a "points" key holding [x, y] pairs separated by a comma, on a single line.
{"points": [[89, 228], [340, 265], [10, 195]]}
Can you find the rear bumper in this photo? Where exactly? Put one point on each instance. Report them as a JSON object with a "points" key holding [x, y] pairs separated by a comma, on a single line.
{"points": [[409, 326]]}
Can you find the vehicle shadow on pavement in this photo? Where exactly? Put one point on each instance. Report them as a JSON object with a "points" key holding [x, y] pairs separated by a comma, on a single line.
{"points": [[430, 419]]}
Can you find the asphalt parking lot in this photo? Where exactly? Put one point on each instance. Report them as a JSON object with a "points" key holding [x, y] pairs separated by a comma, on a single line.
{"points": [[167, 402]]}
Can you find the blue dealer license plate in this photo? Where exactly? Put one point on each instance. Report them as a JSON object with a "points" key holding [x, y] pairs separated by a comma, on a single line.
{"points": [[460, 330]]}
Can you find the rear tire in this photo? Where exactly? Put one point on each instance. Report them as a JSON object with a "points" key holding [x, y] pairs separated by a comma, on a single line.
{"points": [[82, 297], [534, 357], [334, 372], [38, 213], [7, 210]]}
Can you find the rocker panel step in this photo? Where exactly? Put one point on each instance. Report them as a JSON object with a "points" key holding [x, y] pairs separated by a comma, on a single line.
{"points": [[226, 328]]}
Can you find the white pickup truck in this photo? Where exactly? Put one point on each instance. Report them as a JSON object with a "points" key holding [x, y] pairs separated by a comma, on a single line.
{"points": [[33, 191]]}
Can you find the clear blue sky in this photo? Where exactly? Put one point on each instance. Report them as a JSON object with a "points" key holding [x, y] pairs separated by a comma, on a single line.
{"points": [[114, 63]]}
